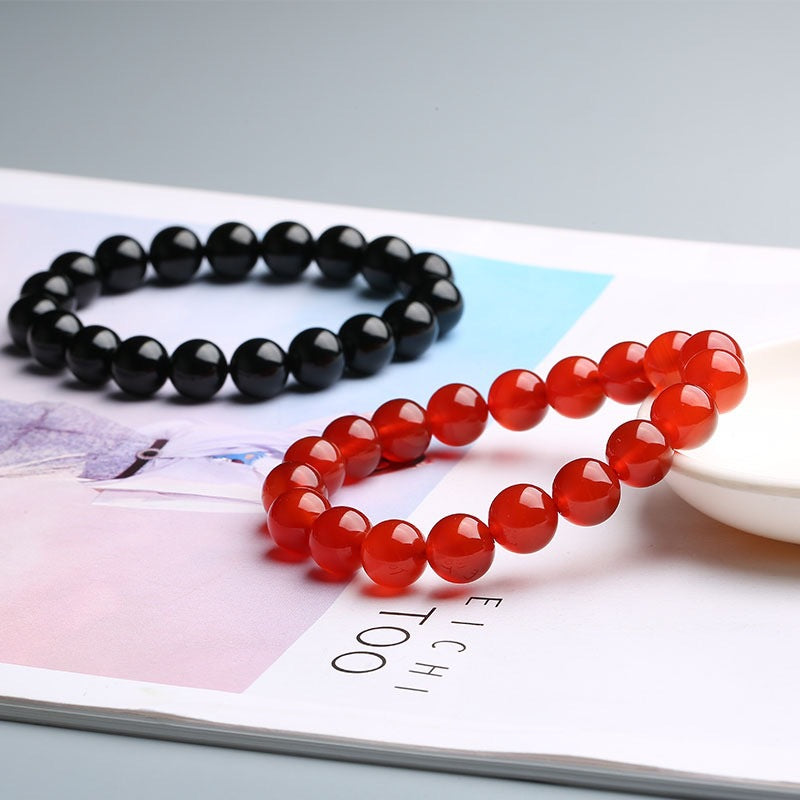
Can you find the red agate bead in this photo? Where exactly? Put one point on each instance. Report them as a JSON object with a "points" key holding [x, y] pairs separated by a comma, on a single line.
{"points": [[393, 553], [321, 454], [662, 359], [685, 414], [457, 414], [586, 491], [403, 430], [336, 538], [518, 399], [721, 374], [709, 340], [460, 548], [291, 516], [358, 443], [574, 388], [638, 452], [622, 373], [290, 475], [523, 518]]}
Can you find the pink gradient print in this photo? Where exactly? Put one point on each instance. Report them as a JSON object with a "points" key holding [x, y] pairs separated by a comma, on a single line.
{"points": [[174, 597]]}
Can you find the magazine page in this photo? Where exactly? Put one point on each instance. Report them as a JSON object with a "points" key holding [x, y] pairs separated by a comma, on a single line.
{"points": [[148, 589]]}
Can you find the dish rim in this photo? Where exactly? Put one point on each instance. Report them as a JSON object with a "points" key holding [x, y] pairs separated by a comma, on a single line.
{"points": [[731, 478]]}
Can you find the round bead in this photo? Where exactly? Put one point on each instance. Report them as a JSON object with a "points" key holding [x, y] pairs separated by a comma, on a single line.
{"points": [[22, 314], [403, 430], [662, 364], [291, 516], [574, 388], [460, 548], [339, 252], [232, 250], [586, 491], [336, 538], [638, 452], [685, 414], [83, 272], [287, 248], [383, 260], [457, 414], [414, 326], [393, 553], [420, 268], [518, 399], [721, 374], [259, 369], [709, 340], [316, 358], [198, 369], [321, 454], [290, 475], [444, 298], [368, 343], [49, 335], [358, 443], [176, 254], [122, 262], [89, 353], [54, 285], [622, 373], [523, 518], [140, 365]]}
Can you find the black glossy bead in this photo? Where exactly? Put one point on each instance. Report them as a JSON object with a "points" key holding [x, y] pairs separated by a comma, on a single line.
{"points": [[84, 273], [316, 358], [22, 314], [287, 248], [122, 261], [232, 250], [420, 268], [444, 298], [59, 287], [414, 326], [198, 369], [175, 254], [383, 260], [140, 365], [49, 335], [89, 353], [259, 369], [339, 252], [367, 342]]}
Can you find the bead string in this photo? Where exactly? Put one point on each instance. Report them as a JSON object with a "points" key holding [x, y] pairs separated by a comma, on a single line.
{"points": [[692, 378], [42, 321]]}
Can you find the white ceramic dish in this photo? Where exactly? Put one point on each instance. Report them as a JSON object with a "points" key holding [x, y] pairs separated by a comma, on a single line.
{"points": [[748, 474]]}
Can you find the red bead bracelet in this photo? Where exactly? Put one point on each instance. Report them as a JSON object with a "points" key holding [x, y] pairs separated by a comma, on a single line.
{"points": [[693, 378]]}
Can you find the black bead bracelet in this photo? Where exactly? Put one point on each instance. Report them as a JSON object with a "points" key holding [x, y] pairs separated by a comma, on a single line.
{"points": [[42, 320]]}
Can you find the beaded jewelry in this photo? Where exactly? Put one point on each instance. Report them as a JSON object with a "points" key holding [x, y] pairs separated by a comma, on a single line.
{"points": [[42, 320], [692, 378]]}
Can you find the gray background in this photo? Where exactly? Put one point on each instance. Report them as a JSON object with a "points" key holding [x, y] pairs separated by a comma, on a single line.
{"points": [[668, 119], [672, 119]]}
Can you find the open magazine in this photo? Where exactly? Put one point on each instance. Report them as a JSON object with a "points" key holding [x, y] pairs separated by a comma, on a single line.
{"points": [[659, 651]]}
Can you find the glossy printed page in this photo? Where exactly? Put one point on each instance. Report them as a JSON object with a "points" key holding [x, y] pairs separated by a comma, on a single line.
{"points": [[157, 569], [159, 592], [658, 638]]}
